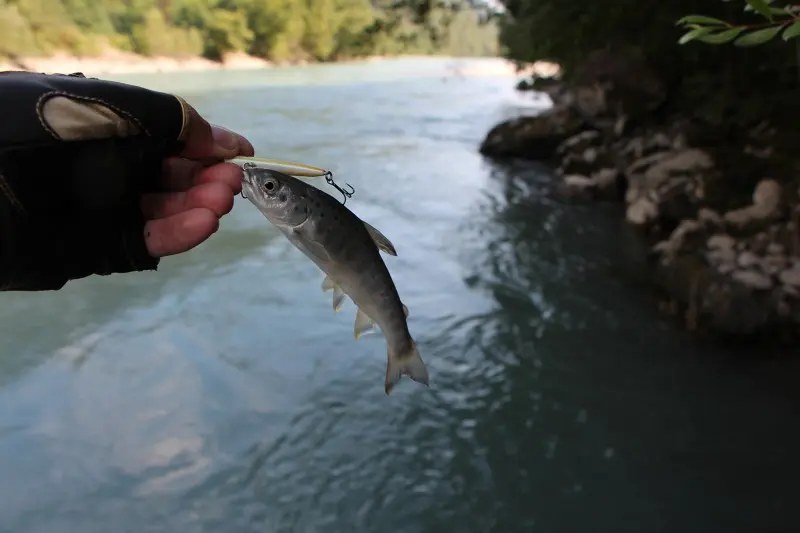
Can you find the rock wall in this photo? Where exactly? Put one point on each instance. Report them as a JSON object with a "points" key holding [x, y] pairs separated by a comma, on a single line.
{"points": [[721, 216]]}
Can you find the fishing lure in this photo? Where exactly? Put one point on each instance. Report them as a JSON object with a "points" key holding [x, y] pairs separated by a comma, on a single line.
{"points": [[286, 167], [294, 169]]}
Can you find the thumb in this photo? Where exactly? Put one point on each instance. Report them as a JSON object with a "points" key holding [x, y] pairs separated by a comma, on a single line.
{"points": [[204, 141]]}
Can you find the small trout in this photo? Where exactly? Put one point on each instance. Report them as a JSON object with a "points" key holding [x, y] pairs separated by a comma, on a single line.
{"points": [[347, 250]]}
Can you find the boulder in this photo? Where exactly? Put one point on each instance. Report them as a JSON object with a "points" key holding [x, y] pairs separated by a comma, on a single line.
{"points": [[766, 207], [666, 185], [535, 137]]}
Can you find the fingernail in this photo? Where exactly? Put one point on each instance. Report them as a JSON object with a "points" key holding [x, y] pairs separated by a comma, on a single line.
{"points": [[225, 139]]}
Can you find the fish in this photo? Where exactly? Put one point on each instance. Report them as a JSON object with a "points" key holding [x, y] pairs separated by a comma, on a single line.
{"points": [[348, 251]]}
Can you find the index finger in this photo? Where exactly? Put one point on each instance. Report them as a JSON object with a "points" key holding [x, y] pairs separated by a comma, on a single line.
{"points": [[205, 142]]}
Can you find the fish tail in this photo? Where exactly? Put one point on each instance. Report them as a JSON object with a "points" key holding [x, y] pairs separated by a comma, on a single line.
{"points": [[406, 363]]}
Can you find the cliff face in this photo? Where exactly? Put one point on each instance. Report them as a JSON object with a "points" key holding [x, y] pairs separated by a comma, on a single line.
{"points": [[719, 204]]}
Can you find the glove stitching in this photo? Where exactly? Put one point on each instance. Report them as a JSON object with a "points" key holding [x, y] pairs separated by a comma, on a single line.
{"points": [[8, 192], [51, 94]]}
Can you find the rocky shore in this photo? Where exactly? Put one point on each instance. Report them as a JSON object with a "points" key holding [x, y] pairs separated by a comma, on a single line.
{"points": [[720, 212], [113, 61], [118, 62]]}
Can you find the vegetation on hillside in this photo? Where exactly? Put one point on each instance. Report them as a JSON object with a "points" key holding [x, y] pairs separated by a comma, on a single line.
{"points": [[279, 30], [723, 84]]}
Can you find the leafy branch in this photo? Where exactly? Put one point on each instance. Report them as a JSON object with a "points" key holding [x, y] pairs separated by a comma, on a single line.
{"points": [[778, 20]]}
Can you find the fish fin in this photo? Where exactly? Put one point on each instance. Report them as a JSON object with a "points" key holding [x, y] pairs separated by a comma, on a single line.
{"points": [[363, 323], [407, 363], [338, 298], [383, 244], [338, 294], [405, 310]]}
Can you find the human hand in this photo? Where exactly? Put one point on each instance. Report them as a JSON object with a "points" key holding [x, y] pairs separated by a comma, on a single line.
{"points": [[198, 194], [99, 177]]}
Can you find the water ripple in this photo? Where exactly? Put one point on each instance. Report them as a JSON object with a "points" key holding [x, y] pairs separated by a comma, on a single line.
{"points": [[223, 393]]}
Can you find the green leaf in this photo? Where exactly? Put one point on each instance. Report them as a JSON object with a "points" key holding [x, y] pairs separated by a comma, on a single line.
{"points": [[761, 7], [772, 10], [721, 37], [689, 36], [792, 31], [758, 37], [701, 19]]}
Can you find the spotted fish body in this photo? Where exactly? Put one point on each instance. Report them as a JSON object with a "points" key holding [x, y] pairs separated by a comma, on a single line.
{"points": [[347, 250]]}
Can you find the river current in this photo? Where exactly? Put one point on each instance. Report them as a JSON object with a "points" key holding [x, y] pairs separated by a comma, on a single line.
{"points": [[222, 393]]}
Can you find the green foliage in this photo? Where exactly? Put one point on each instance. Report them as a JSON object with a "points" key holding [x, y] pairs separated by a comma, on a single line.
{"points": [[154, 37], [469, 37], [720, 84], [279, 30], [783, 20], [16, 35]]}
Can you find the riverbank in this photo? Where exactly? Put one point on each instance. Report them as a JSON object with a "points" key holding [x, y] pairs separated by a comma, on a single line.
{"points": [[718, 207], [119, 62]]}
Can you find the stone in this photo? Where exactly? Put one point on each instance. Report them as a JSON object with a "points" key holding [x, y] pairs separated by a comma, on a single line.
{"points": [[790, 276], [577, 181], [579, 142], [585, 162], [641, 211], [722, 256], [599, 184], [669, 247], [661, 140], [791, 290], [753, 279], [773, 264], [677, 162], [606, 177], [767, 194], [635, 148], [721, 241], [774, 248], [536, 137], [726, 267], [709, 216], [747, 260], [766, 205], [670, 181]]}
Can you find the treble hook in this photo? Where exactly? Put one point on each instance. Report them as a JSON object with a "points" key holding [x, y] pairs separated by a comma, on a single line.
{"points": [[246, 166], [345, 193]]}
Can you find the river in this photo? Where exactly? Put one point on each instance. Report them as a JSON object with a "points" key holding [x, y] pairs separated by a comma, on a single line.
{"points": [[222, 394]]}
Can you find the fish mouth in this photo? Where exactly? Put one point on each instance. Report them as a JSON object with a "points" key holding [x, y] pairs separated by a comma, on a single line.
{"points": [[286, 167], [247, 183]]}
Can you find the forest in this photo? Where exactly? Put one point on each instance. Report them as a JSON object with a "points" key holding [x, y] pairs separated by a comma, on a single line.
{"points": [[277, 30], [723, 82]]}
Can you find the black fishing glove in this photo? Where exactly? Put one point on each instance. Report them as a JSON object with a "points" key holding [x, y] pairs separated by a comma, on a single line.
{"points": [[76, 155]]}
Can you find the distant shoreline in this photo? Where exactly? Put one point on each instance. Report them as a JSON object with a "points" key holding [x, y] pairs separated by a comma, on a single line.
{"points": [[119, 62]]}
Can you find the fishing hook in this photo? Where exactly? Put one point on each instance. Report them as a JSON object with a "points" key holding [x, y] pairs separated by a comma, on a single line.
{"points": [[345, 193], [246, 166]]}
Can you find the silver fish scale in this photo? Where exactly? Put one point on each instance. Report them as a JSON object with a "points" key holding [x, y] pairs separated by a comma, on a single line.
{"points": [[343, 234]]}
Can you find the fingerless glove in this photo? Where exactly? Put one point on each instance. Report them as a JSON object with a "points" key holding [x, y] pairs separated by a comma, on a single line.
{"points": [[76, 154]]}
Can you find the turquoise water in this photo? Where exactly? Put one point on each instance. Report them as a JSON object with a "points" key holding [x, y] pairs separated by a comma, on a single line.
{"points": [[223, 394]]}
